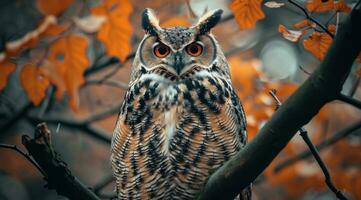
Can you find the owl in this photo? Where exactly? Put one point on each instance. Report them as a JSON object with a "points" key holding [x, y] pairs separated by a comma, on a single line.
{"points": [[181, 118]]}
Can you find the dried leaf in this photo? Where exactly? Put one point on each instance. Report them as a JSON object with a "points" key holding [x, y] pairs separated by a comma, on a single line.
{"points": [[291, 35], [30, 39], [115, 33], [90, 23], [34, 83], [247, 12], [302, 24], [319, 5], [68, 54], [273, 4], [53, 7], [175, 21], [319, 42], [6, 68]]}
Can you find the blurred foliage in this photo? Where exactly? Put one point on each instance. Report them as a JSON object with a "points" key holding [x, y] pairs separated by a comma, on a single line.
{"points": [[54, 48]]}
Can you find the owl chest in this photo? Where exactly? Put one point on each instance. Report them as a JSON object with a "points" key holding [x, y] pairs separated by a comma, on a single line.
{"points": [[173, 135]]}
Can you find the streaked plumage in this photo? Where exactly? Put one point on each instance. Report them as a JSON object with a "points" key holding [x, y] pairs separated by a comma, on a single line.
{"points": [[180, 120]]}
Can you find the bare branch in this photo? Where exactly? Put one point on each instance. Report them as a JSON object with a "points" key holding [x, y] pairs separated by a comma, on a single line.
{"points": [[100, 65], [308, 16], [25, 155], [352, 129], [314, 152], [59, 177], [320, 162], [349, 100], [95, 132], [320, 88]]}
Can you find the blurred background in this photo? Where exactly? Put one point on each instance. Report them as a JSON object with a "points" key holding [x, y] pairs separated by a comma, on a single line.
{"points": [[68, 62]]}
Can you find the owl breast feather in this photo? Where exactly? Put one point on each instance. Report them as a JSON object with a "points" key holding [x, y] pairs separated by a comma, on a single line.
{"points": [[171, 135]]}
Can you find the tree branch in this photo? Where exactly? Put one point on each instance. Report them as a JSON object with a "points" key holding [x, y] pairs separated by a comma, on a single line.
{"points": [[320, 88], [353, 129], [97, 133], [322, 165], [349, 100], [25, 155], [314, 152], [58, 176], [84, 125], [308, 16]]}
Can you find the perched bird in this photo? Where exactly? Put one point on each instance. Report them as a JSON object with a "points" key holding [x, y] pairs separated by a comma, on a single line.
{"points": [[181, 118]]}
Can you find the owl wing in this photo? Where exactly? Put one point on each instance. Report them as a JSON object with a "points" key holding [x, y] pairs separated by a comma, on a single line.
{"points": [[232, 115], [135, 157]]}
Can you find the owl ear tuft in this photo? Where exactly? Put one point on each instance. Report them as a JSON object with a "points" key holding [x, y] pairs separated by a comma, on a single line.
{"points": [[150, 22], [208, 21]]}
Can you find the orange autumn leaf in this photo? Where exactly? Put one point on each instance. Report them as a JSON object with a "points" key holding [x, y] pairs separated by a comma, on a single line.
{"points": [[34, 83], [302, 24], [244, 75], [319, 42], [53, 7], [6, 68], [319, 5], [49, 70], [175, 21], [69, 57], [116, 31], [54, 30], [247, 12]]}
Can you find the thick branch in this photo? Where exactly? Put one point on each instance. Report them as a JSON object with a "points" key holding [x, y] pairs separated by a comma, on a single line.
{"points": [[320, 88], [58, 176]]}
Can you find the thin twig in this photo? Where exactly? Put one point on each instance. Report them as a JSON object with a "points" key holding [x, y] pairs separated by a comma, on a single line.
{"points": [[314, 152], [352, 129], [25, 155], [89, 129], [322, 165], [100, 65], [309, 17], [349, 100], [304, 70]]}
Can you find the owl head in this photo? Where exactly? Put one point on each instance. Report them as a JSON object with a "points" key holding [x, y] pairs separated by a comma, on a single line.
{"points": [[179, 52]]}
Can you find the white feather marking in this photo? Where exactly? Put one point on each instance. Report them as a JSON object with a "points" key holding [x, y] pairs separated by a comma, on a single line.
{"points": [[170, 119]]}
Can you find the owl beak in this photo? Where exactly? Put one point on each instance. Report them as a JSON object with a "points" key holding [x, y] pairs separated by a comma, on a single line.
{"points": [[178, 63]]}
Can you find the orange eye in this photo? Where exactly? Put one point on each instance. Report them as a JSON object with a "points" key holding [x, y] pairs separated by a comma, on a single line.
{"points": [[194, 49], [161, 50]]}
